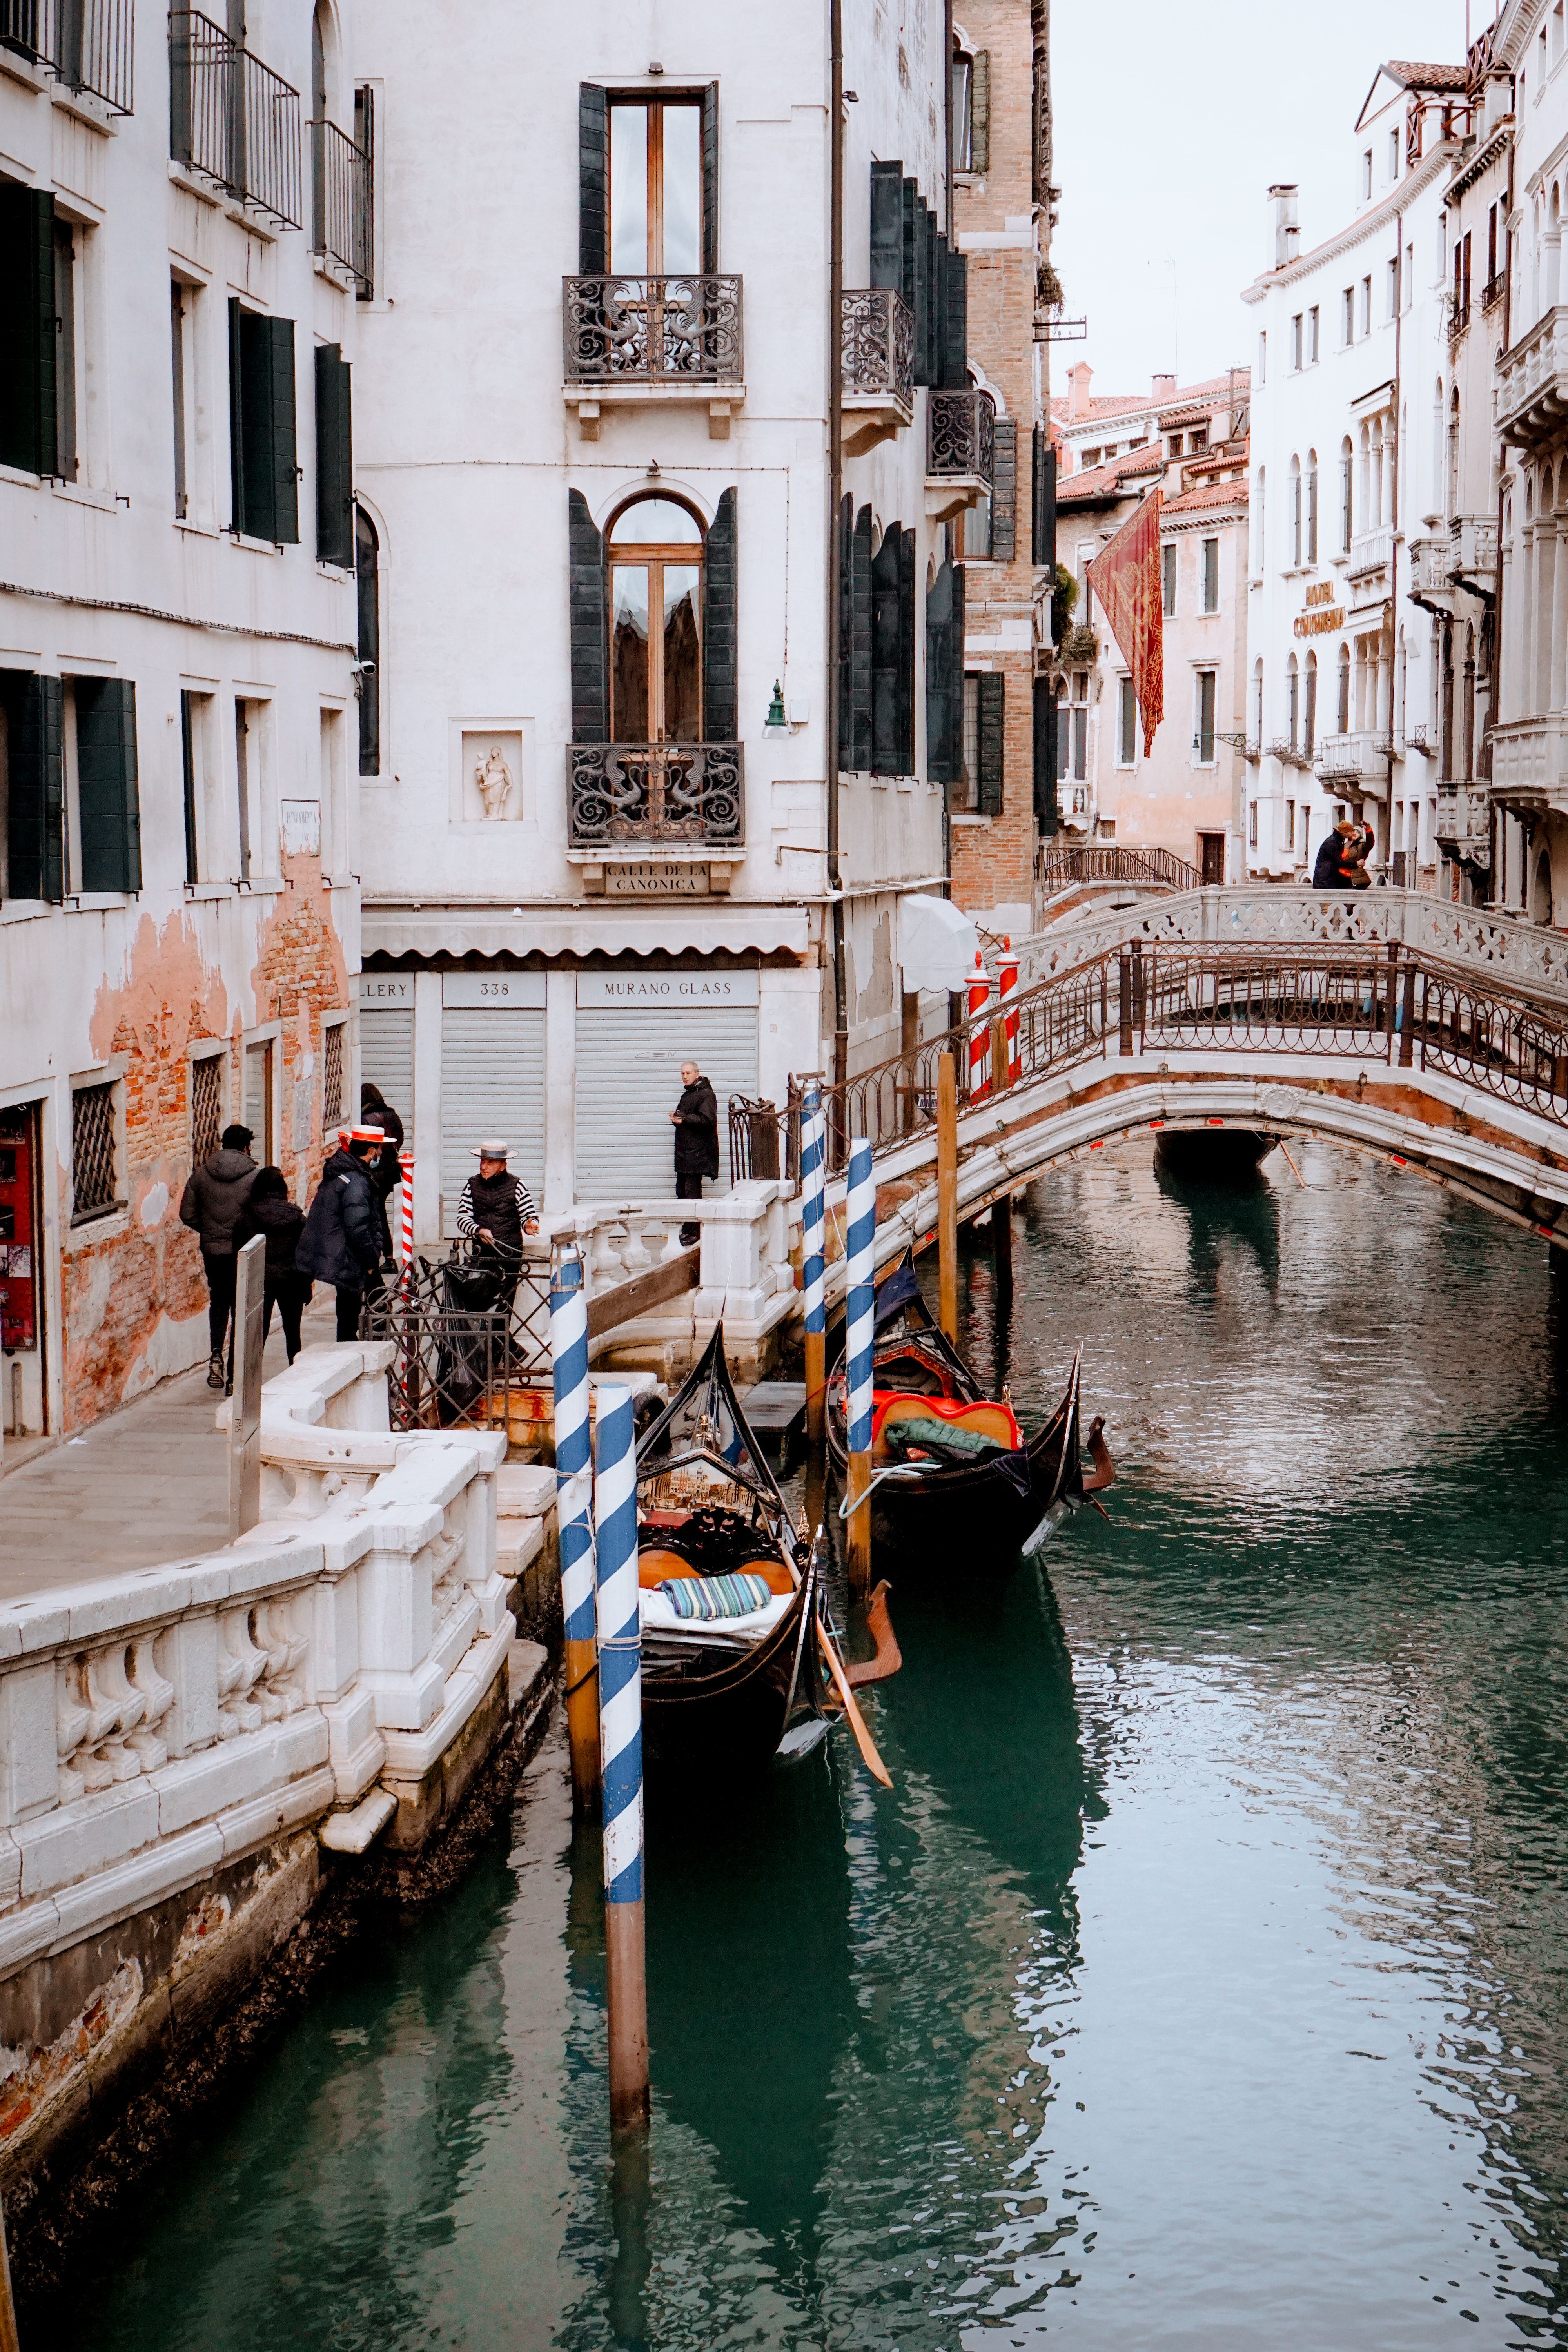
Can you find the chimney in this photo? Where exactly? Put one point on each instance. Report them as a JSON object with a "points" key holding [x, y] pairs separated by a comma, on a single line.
{"points": [[1078, 381], [1164, 390], [1286, 235]]}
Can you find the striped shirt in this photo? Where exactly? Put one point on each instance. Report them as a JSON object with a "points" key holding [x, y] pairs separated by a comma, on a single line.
{"points": [[467, 1220]]}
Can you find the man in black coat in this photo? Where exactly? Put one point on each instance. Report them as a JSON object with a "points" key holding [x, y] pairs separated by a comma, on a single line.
{"points": [[210, 1205], [695, 1119], [346, 1238]]}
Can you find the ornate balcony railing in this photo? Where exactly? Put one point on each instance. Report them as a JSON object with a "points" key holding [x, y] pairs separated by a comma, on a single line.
{"points": [[1493, 290], [1361, 756], [1464, 821], [877, 345], [1472, 541], [632, 793], [232, 119], [1158, 870], [959, 439], [653, 330], [86, 45], [341, 197], [1532, 382], [1290, 754]]}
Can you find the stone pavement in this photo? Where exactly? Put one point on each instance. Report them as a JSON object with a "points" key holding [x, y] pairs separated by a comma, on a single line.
{"points": [[147, 1483]]}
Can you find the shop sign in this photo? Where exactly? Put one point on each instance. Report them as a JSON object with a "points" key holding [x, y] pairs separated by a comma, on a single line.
{"points": [[633, 990], [656, 878], [386, 988], [1322, 615], [498, 991]]}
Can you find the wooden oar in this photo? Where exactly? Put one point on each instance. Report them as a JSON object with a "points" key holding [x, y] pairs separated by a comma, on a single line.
{"points": [[863, 1739], [1293, 1167], [887, 1657]]}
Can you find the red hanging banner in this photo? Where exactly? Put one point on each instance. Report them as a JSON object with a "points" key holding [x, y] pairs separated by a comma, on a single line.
{"points": [[1125, 576]]}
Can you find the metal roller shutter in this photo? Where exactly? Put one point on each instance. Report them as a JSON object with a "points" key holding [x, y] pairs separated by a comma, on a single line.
{"points": [[629, 1082], [493, 1082], [386, 1060]]}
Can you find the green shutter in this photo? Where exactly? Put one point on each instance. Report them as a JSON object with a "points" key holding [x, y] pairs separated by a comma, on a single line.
{"points": [[1045, 756], [944, 677], [263, 452], [28, 334], [280, 339], [991, 698], [721, 714], [845, 526], [334, 458], [887, 567], [236, 497], [35, 791], [860, 643], [887, 225], [593, 180], [1005, 490], [590, 624], [931, 338], [980, 113], [188, 778], [107, 793], [1043, 502], [956, 331], [367, 594], [905, 703], [710, 183]]}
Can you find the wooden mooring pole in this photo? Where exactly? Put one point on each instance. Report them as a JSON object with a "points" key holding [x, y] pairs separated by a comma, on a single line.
{"points": [[947, 1194], [620, 1738], [574, 1525], [861, 1212]]}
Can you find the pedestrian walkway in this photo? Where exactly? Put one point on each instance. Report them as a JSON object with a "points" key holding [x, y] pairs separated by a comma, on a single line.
{"points": [[144, 1485]]}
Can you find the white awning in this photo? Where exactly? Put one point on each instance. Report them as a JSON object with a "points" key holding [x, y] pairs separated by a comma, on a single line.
{"points": [[937, 942], [614, 930]]}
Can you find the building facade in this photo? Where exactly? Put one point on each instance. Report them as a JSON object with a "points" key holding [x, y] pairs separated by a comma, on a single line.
{"points": [[182, 247]]}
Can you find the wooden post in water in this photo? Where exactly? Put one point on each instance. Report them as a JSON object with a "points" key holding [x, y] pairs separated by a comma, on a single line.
{"points": [[574, 1525], [813, 1239], [1002, 1210], [620, 1745], [947, 1194], [10, 2341], [861, 1221]]}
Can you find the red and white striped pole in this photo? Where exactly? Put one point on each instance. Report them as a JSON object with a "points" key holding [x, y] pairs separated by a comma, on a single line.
{"points": [[405, 1163], [1006, 984], [979, 1032]]}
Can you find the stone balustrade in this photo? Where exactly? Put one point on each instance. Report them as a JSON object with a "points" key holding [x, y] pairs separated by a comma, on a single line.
{"points": [[744, 1276]]}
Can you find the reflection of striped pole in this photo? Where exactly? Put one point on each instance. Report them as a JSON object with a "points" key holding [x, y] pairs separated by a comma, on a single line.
{"points": [[979, 1034], [573, 1502], [620, 1740], [813, 1218], [861, 1216], [1006, 985]]}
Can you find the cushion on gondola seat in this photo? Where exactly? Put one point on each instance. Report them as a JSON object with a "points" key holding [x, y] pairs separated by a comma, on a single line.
{"points": [[712, 1597], [657, 1564], [982, 1418]]}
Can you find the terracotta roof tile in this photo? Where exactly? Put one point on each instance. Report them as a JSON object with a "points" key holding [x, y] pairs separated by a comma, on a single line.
{"points": [[1209, 494], [1427, 77]]}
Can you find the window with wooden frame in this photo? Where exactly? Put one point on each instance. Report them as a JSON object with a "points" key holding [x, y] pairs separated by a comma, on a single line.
{"points": [[656, 187], [656, 554]]}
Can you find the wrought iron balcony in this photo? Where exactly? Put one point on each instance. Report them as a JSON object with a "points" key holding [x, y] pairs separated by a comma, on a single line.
{"points": [[341, 197], [1493, 290], [86, 45], [876, 359], [959, 433], [627, 793], [232, 121], [653, 330], [1288, 754]]}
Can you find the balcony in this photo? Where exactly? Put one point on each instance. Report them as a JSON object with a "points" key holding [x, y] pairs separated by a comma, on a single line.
{"points": [[1464, 824], [959, 451], [657, 796], [1530, 764], [876, 355], [1532, 395], [1432, 574], [341, 202], [1355, 763], [233, 121], [1493, 290], [1371, 551], [86, 45], [1288, 754], [633, 342], [1472, 557], [1458, 321]]}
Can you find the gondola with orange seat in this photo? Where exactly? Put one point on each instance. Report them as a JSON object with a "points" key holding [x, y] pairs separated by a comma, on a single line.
{"points": [[949, 1464]]}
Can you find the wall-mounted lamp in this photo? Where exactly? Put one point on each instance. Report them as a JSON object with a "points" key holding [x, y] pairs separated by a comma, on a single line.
{"points": [[775, 718]]}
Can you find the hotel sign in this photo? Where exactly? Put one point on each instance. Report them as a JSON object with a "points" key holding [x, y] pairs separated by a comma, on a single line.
{"points": [[1322, 615]]}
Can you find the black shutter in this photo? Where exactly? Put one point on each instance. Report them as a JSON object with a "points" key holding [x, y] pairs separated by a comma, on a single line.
{"points": [[1045, 747], [991, 698], [28, 340], [906, 688], [1043, 505], [980, 111], [911, 213], [367, 588], [887, 225], [887, 634], [263, 454], [106, 783], [845, 526], [593, 180], [939, 313], [590, 624], [957, 324], [1003, 489], [917, 273], [719, 698], [710, 182], [35, 791], [931, 338], [334, 458], [278, 336], [860, 653], [237, 489], [944, 677]]}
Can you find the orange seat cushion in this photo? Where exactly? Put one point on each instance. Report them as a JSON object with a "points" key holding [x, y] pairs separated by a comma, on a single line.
{"points": [[989, 1420]]}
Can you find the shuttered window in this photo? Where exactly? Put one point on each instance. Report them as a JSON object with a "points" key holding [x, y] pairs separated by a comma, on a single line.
{"points": [[493, 1084], [35, 798], [590, 624], [887, 225], [991, 698], [855, 640], [893, 653], [944, 677], [593, 180], [1043, 513], [263, 450], [367, 584], [1045, 756], [107, 793], [334, 458], [28, 339], [629, 1082], [386, 1058], [720, 709], [710, 177], [1003, 489], [980, 113], [956, 364]]}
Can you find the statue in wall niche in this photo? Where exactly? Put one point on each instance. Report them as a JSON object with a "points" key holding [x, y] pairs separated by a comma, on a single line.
{"points": [[493, 778]]}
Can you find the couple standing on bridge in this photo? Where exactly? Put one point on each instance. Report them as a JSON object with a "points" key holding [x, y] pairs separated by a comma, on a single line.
{"points": [[1340, 863]]}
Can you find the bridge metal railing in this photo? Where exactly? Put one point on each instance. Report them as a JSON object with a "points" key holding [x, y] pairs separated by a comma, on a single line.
{"points": [[1409, 1011], [1160, 869]]}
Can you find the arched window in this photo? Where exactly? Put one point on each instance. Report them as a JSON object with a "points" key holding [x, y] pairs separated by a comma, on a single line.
{"points": [[656, 632], [1347, 494], [1310, 708], [1343, 715], [1454, 451], [1292, 701], [963, 79], [367, 580], [1296, 512], [1312, 506]]}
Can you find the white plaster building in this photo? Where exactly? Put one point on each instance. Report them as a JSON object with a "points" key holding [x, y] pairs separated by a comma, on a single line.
{"points": [[1347, 446], [591, 442], [181, 219]]}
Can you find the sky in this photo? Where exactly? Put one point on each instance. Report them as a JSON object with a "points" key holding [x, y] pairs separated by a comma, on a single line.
{"points": [[1171, 123]]}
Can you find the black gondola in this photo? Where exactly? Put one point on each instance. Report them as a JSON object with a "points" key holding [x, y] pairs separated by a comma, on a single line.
{"points": [[726, 1694], [928, 1494]]}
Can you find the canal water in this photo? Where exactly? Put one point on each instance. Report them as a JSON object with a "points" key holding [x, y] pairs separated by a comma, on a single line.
{"points": [[1203, 1981]]}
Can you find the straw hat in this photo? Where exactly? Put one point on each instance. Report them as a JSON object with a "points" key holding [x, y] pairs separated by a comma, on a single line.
{"points": [[489, 1149], [366, 1134]]}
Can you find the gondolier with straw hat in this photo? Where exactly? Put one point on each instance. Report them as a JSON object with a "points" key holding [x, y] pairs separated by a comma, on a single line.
{"points": [[495, 1208]]}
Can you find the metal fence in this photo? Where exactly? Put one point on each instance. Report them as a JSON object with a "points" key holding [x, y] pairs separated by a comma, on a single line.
{"points": [[1058, 869], [457, 1367], [86, 45], [232, 119], [341, 202]]}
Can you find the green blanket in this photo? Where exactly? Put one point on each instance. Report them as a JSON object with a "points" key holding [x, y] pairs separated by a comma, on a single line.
{"points": [[901, 1435]]}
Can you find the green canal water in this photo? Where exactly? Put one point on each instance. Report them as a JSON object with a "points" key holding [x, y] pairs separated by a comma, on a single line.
{"points": [[1202, 1982]]}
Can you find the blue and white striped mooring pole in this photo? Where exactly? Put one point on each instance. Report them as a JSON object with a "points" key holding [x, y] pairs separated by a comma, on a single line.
{"points": [[862, 1301], [574, 1520], [620, 1738], [813, 1220]]}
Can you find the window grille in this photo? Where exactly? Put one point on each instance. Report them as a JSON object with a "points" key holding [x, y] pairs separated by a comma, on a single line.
{"points": [[333, 1076], [207, 1107], [92, 1153]]}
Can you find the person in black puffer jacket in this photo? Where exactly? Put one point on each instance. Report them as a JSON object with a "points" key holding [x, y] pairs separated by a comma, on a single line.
{"points": [[210, 1205], [345, 1240], [269, 1211]]}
